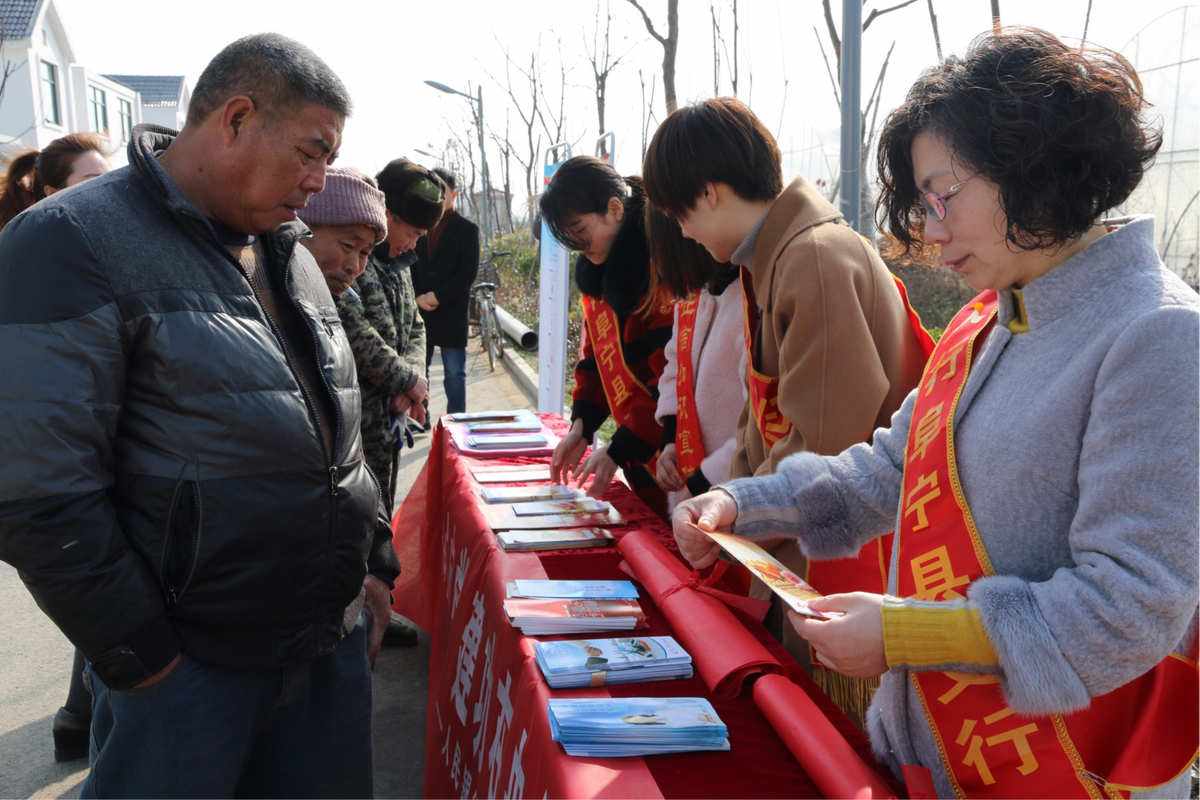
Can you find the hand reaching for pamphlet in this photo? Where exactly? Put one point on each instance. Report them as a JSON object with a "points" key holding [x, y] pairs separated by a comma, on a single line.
{"points": [[666, 472], [600, 467], [711, 511], [568, 452], [851, 642]]}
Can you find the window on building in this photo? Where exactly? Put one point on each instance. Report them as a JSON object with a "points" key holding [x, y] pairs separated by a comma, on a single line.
{"points": [[98, 104], [126, 112], [51, 110]]}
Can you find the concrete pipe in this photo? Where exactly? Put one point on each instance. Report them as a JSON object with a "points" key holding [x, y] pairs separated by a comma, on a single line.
{"points": [[516, 330]]}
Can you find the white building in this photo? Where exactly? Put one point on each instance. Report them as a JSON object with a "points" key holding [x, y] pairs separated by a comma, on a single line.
{"points": [[46, 94], [165, 98]]}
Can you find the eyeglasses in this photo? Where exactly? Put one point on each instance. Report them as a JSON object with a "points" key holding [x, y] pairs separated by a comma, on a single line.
{"points": [[427, 190], [935, 203]]}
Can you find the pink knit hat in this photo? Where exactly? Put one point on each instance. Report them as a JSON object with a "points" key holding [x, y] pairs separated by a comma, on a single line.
{"points": [[349, 198]]}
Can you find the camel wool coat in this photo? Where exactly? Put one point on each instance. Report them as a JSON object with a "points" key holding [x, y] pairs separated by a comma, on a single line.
{"points": [[834, 330]]}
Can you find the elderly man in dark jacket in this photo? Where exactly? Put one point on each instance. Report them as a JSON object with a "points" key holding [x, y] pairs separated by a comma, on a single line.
{"points": [[183, 488], [447, 263]]}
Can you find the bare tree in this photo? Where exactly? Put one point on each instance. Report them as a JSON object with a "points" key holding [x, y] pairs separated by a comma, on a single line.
{"points": [[7, 67], [552, 116], [875, 14], [603, 62], [1087, 18], [525, 103], [504, 145], [647, 108], [464, 146], [670, 44], [716, 36], [937, 39]]}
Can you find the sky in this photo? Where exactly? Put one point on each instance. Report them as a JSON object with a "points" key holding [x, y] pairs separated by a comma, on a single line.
{"points": [[383, 51]]}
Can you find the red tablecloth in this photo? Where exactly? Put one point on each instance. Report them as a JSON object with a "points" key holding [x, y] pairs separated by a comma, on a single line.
{"points": [[486, 728]]}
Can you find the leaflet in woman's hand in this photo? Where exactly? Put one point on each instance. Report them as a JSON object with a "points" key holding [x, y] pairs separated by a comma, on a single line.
{"points": [[790, 587]]}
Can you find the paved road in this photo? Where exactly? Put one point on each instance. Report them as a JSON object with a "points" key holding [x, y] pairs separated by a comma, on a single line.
{"points": [[35, 659]]}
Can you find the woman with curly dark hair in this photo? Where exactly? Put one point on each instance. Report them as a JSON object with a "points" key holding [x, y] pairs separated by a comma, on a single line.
{"points": [[1038, 637]]}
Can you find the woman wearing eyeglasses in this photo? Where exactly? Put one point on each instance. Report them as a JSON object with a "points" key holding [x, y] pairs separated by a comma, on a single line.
{"points": [[1039, 632]]}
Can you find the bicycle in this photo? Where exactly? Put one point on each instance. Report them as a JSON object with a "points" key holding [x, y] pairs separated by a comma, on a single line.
{"points": [[483, 311]]}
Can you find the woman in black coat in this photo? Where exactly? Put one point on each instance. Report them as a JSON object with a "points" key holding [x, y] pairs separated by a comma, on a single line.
{"points": [[447, 263]]}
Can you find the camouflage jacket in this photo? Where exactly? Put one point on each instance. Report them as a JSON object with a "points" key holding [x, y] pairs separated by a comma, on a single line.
{"points": [[386, 333]]}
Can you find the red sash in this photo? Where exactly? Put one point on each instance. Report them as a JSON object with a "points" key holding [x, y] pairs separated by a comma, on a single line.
{"points": [[621, 386], [866, 571], [689, 442], [1140, 735]]}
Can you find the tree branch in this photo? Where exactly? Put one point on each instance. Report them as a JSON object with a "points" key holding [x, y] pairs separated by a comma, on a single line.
{"points": [[937, 39], [649, 25], [828, 69], [879, 13], [833, 35]]}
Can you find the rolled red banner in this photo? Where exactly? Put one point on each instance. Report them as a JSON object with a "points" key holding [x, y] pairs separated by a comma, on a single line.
{"points": [[725, 654], [826, 756]]}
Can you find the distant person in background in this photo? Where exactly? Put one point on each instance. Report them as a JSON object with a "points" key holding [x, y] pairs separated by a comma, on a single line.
{"points": [[447, 263], [348, 219], [32, 176], [66, 161]]}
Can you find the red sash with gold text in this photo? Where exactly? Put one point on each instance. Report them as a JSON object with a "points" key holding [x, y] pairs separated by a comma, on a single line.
{"points": [[1140, 735], [621, 386], [689, 442]]}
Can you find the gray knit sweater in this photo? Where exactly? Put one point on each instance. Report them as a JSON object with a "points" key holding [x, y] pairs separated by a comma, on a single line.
{"points": [[1077, 450]]}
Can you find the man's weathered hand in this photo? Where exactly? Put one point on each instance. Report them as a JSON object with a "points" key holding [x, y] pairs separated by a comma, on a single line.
{"points": [[427, 301], [419, 390], [379, 601]]}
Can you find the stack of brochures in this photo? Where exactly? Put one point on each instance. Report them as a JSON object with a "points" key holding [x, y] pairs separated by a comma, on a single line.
{"points": [[544, 607], [578, 505], [506, 441], [596, 662], [573, 590], [565, 539], [545, 617], [511, 473], [636, 726], [528, 494]]}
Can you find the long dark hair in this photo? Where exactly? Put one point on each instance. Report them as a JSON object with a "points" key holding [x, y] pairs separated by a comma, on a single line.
{"points": [[31, 172], [583, 185]]}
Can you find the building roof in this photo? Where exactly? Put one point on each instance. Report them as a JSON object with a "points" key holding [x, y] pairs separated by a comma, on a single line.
{"points": [[17, 18], [156, 90]]}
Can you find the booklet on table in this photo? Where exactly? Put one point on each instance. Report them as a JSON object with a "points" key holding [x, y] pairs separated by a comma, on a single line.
{"points": [[528, 494], [511, 473], [525, 541], [546, 617], [502, 415], [596, 662], [500, 517], [635, 726], [578, 505], [573, 590], [506, 441]]}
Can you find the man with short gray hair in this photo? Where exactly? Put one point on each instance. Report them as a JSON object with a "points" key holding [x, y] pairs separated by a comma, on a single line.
{"points": [[183, 489]]}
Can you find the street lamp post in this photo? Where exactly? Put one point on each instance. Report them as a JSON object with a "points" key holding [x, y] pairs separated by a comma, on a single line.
{"points": [[486, 210]]}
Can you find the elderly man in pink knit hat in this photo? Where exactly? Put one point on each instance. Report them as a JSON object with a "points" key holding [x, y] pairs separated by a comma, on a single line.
{"points": [[348, 218]]}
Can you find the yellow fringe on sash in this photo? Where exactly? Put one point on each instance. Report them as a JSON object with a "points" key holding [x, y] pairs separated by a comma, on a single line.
{"points": [[851, 695]]}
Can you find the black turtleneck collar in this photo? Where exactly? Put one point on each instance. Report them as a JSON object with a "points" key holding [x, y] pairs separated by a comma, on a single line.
{"points": [[622, 280]]}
